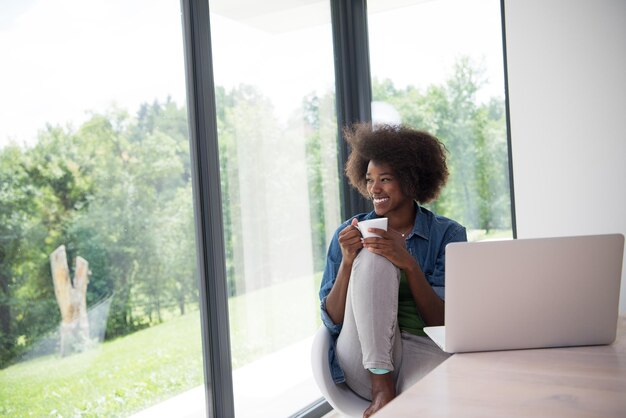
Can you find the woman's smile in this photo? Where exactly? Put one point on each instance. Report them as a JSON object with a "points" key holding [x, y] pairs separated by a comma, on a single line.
{"points": [[380, 200]]}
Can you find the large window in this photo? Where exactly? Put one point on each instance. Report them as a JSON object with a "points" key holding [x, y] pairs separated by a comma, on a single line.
{"points": [[277, 139], [438, 66], [101, 280], [98, 287]]}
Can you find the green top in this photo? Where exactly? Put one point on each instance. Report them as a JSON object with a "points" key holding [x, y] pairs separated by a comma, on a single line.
{"points": [[409, 319]]}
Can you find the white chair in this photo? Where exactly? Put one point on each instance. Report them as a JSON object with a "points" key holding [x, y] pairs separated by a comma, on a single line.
{"points": [[340, 397]]}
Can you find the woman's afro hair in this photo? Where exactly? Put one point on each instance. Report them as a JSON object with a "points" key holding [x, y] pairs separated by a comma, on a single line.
{"points": [[417, 158]]}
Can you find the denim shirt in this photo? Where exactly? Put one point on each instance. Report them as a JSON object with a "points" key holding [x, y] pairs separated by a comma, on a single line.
{"points": [[426, 243]]}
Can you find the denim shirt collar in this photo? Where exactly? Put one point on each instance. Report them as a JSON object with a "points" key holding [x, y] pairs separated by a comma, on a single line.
{"points": [[421, 226]]}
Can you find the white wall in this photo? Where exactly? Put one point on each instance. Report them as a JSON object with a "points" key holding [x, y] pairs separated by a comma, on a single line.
{"points": [[567, 92]]}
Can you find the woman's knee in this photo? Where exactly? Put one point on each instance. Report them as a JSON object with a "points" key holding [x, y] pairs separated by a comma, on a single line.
{"points": [[370, 264]]}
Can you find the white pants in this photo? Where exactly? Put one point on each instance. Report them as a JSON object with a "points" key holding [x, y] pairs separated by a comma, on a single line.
{"points": [[370, 337]]}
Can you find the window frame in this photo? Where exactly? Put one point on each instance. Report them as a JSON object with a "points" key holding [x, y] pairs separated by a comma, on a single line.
{"points": [[353, 86], [218, 378]]}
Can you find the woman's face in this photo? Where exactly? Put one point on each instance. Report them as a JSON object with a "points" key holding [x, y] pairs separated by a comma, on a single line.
{"points": [[384, 188]]}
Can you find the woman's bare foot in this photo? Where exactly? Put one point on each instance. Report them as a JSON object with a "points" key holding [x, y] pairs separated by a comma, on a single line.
{"points": [[383, 391]]}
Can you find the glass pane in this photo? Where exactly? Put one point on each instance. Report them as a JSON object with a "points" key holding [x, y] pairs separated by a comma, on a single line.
{"points": [[277, 135], [98, 289], [438, 66]]}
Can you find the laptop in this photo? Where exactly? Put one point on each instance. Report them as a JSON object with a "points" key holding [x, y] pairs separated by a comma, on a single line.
{"points": [[531, 293]]}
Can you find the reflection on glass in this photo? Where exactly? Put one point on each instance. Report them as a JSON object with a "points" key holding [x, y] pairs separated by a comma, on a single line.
{"points": [[98, 296], [277, 139], [437, 66]]}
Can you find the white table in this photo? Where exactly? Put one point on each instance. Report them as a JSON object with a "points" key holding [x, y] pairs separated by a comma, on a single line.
{"points": [[556, 382]]}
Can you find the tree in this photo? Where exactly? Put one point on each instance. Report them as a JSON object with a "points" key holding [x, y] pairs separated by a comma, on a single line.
{"points": [[320, 130], [15, 195], [108, 191], [71, 297], [179, 272]]}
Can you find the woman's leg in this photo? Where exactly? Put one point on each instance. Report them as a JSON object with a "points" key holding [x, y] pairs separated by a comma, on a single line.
{"points": [[420, 355], [370, 337]]}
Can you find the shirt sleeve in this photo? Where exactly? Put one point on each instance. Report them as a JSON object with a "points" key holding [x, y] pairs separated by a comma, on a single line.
{"points": [[333, 261], [457, 234]]}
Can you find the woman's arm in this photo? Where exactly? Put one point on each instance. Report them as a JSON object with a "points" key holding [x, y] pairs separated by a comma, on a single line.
{"points": [[429, 303], [350, 243], [336, 300]]}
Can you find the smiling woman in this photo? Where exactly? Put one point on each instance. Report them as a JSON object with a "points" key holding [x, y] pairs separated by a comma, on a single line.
{"points": [[379, 292]]}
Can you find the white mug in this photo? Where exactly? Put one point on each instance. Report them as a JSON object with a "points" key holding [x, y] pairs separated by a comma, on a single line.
{"points": [[380, 223]]}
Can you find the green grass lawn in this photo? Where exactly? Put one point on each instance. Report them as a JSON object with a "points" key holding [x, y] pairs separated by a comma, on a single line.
{"points": [[114, 379], [131, 373]]}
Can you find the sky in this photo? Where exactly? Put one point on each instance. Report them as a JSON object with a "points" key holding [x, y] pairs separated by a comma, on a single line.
{"points": [[64, 59], [423, 41]]}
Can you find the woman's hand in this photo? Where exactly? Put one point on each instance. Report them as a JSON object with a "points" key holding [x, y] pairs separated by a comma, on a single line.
{"points": [[350, 242], [392, 246]]}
